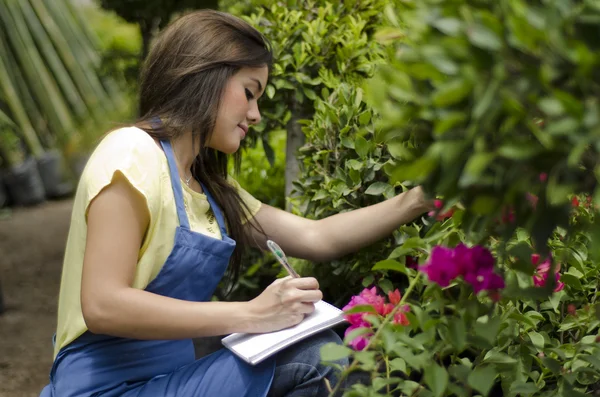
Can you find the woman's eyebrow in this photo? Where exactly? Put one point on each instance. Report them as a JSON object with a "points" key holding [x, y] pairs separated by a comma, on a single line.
{"points": [[259, 84]]}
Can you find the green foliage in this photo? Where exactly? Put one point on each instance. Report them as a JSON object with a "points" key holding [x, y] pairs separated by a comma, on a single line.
{"points": [[491, 105], [320, 46], [120, 46], [315, 44], [261, 179], [484, 98], [147, 11]]}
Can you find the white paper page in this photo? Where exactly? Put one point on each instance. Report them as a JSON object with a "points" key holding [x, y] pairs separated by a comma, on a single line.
{"points": [[257, 343]]}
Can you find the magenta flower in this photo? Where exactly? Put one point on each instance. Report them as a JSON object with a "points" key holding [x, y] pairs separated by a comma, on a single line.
{"points": [[442, 267], [485, 280], [475, 265]]}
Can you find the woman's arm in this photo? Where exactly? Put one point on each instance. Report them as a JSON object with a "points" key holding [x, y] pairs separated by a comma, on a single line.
{"points": [[117, 220], [339, 234]]}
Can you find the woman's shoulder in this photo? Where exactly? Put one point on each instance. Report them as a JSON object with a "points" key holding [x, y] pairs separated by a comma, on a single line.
{"points": [[127, 137]]}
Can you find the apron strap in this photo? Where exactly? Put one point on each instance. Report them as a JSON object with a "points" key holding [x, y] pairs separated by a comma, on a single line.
{"points": [[175, 180], [176, 183], [216, 210]]}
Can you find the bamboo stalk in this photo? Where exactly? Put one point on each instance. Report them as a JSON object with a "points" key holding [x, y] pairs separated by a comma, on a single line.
{"points": [[41, 82], [63, 78], [16, 76], [93, 41], [86, 56], [75, 68], [18, 112]]}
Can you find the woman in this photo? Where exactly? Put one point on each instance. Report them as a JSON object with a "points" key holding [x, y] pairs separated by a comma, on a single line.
{"points": [[156, 222]]}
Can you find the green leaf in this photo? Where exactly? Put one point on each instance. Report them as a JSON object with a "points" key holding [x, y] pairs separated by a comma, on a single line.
{"points": [[482, 37], [333, 352], [390, 264], [398, 150], [362, 146], [571, 281], [488, 330], [270, 91], [537, 340], [355, 333], [361, 309], [592, 360], [436, 379], [457, 333], [377, 188], [498, 358], [482, 379], [452, 92], [475, 166], [449, 26], [523, 388], [518, 151], [364, 118], [552, 365], [398, 364]]}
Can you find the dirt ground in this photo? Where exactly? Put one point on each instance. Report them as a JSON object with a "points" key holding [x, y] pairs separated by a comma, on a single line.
{"points": [[32, 243]]}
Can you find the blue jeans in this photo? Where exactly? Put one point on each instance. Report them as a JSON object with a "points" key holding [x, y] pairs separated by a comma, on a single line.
{"points": [[299, 371]]}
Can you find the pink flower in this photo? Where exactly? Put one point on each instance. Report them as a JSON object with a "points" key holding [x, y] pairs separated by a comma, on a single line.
{"points": [[370, 297], [533, 199], [535, 259], [439, 204], [366, 297], [543, 177], [361, 341], [394, 296], [401, 318], [542, 272]]}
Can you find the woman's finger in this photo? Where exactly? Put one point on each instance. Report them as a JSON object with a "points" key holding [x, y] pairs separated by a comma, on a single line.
{"points": [[304, 283]]}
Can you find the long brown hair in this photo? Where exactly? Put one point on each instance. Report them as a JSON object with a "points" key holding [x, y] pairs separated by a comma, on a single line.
{"points": [[182, 81]]}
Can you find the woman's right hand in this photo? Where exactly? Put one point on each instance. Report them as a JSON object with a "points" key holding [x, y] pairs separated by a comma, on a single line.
{"points": [[284, 303]]}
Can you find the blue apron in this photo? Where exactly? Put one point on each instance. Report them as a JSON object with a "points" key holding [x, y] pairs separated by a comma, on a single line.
{"points": [[107, 366]]}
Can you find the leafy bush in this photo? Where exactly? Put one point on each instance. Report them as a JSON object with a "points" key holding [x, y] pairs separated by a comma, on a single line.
{"points": [[492, 106], [316, 44]]}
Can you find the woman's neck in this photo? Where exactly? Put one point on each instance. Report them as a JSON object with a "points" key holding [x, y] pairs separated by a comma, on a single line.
{"points": [[185, 152]]}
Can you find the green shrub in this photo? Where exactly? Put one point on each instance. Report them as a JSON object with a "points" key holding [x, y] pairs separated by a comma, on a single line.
{"points": [[493, 106]]}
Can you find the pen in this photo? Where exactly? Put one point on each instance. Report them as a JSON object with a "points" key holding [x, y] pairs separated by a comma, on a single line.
{"points": [[278, 252]]}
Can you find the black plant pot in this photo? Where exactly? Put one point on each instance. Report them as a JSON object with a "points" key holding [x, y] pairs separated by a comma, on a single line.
{"points": [[24, 184], [3, 194], [50, 167]]}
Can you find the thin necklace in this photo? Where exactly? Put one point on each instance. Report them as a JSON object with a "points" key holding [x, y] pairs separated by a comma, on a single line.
{"points": [[187, 180]]}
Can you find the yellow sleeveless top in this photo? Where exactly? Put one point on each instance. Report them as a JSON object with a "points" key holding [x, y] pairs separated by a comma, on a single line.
{"points": [[133, 153]]}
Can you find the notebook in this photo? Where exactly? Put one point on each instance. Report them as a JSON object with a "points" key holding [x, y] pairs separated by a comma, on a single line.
{"points": [[254, 348]]}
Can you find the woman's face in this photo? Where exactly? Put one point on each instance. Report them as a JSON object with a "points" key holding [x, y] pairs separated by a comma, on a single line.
{"points": [[238, 108]]}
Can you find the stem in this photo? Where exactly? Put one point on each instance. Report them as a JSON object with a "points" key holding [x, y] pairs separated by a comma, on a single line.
{"points": [[389, 317], [387, 372]]}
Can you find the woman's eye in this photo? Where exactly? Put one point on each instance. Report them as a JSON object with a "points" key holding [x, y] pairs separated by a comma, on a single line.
{"points": [[249, 94]]}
